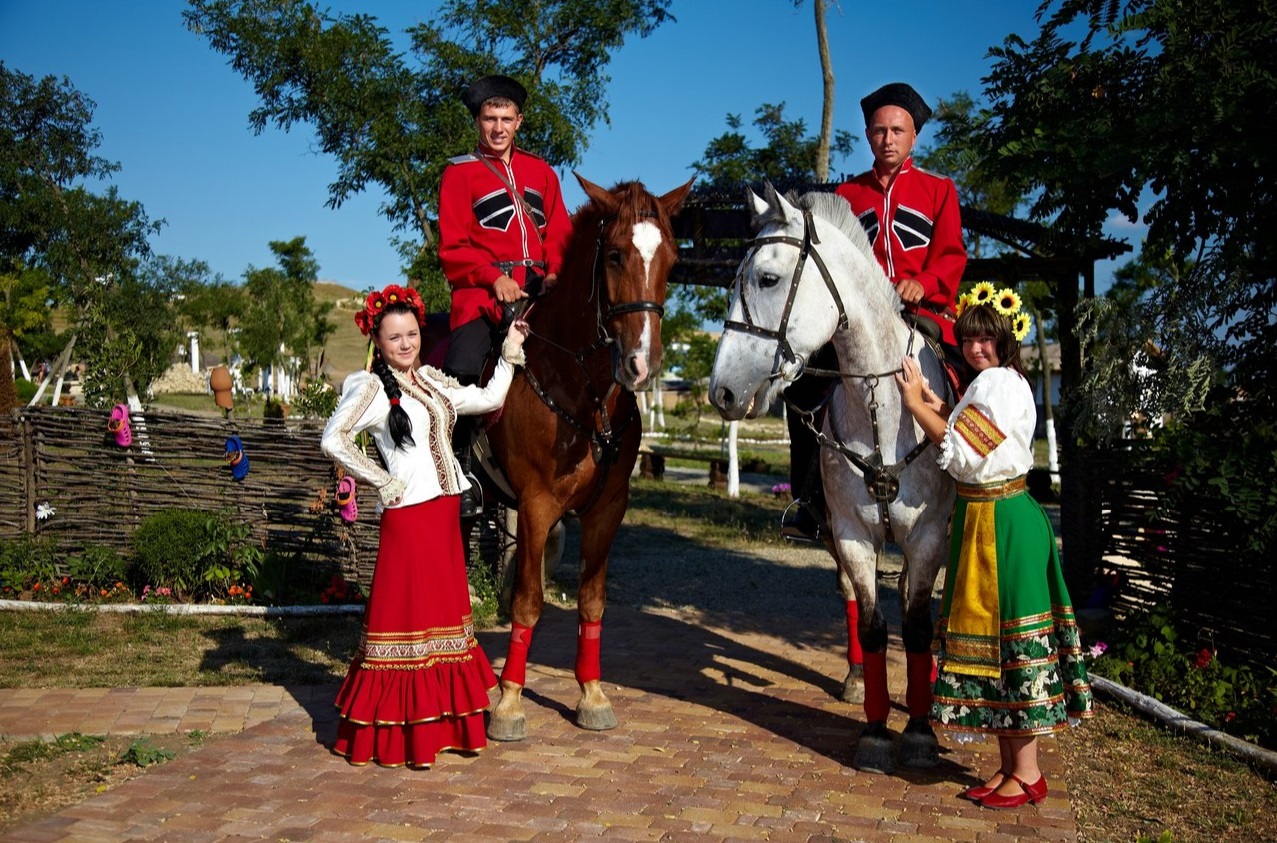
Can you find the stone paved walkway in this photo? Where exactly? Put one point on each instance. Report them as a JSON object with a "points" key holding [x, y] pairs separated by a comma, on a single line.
{"points": [[728, 731]]}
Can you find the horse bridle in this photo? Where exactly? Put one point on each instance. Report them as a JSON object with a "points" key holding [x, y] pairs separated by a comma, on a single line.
{"points": [[604, 440], [784, 351], [882, 481]]}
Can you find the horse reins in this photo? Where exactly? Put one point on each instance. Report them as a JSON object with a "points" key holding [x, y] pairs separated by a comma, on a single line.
{"points": [[882, 481], [784, 352], [604, 440]]}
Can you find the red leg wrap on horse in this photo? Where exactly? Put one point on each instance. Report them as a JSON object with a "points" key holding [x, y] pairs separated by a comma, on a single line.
{"points": [[855, 655], [877, 701], [588, 637], [920, 668], [516, 660]]}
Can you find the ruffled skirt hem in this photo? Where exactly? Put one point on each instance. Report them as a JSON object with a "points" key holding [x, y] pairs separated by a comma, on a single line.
{"points": [[405, 717]]}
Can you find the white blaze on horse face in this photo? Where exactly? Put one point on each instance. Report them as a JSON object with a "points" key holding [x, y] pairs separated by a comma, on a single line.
{"points": [[646, 239]]}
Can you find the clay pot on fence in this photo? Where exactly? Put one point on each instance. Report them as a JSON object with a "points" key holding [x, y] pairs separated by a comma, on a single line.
{"points": [[219, 380]]}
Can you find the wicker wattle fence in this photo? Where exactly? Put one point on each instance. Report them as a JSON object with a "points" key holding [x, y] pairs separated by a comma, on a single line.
{"points": [[1194, 559], [100, 492]]}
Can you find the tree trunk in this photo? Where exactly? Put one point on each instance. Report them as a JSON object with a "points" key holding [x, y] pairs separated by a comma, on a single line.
{"points": [[827, 112], [8, 390], [56, 373]]}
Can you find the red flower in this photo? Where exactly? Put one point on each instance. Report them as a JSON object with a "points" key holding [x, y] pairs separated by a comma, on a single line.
{"points": [[393, 294], [375, 303], [1203, 658], [364, 321], [1230, 717]]}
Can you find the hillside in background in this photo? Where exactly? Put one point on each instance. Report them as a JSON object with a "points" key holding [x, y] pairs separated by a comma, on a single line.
{"points": [[346, 348]]}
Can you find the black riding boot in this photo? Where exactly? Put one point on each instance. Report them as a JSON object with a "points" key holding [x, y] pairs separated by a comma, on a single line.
{"points": [[804, 521], [462, 442]]}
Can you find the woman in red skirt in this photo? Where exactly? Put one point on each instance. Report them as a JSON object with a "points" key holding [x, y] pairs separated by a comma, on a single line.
{"points": [[419, 683]]}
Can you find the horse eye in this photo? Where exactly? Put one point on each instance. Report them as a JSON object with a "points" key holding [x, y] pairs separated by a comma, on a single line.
{"points": [[768, 279], [614, 257]]}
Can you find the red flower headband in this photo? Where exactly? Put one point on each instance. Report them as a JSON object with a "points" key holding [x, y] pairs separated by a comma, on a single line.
{"points": [[377, 302]]}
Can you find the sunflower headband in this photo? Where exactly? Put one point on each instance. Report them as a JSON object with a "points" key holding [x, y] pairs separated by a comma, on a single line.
{"points": [[1005, 301], [377, 302]]}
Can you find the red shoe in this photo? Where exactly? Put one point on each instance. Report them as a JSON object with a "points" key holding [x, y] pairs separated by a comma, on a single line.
{"points": [[1034, 793], [979, 791]]}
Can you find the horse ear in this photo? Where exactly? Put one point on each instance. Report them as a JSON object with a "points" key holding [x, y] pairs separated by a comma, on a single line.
{"points": [[766, 209], [605, 200], [672, 202]]}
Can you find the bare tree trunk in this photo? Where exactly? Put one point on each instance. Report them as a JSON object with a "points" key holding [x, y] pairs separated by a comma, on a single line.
{"points": [[8, 389], [827, 112], [56, 373]]}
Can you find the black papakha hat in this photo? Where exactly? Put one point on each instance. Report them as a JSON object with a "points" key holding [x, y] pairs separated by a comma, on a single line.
{"points": [[898, 94], [493, 86]]}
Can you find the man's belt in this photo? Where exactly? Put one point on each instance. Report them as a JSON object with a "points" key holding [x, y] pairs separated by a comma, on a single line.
{"points": [[506, 266]]}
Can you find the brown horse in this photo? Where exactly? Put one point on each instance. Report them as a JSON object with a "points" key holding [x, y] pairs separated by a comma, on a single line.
{"points": [[569, 435]]}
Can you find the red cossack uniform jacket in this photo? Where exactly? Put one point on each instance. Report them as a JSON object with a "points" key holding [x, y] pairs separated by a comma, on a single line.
{"points": [[482, 226], [916, 230]]}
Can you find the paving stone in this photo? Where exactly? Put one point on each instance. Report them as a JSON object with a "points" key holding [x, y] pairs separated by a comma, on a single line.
{"points": [[735, 737]]}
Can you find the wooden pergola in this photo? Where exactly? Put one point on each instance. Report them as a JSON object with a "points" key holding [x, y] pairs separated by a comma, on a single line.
{"points": [[713, 228]]}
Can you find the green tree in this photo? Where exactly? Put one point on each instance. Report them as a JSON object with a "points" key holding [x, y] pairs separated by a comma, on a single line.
{"points": [[129, 331], [50, 222], [948, 153], [1162, 111], [392, 118], [788, 157], [281, 317], [1167, 103], [211, 304], [24, 312]]}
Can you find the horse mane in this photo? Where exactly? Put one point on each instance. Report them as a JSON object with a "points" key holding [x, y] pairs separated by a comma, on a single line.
{"points": [[836, 211]]}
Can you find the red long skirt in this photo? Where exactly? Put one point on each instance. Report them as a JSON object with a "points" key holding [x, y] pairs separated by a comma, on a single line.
{"points": [[420, 682]]}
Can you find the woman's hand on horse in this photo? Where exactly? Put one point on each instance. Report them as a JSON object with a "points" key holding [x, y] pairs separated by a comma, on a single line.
{"points": [[517, 333], [548, 283], [507, 290], [914, 391], [914, 388]]}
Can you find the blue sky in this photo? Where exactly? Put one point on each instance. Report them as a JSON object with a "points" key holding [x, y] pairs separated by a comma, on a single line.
{"points": [[174, 115]]}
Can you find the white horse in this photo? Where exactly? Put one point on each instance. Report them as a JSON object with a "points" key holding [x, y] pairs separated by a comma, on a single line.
{"points": [[810, 276]]}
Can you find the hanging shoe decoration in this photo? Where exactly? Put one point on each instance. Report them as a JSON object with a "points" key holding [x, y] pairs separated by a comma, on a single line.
{"points": [[236, 458], [118, 425], [347, 505]]}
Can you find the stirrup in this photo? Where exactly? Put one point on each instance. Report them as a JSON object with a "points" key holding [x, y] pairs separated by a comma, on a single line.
{"points": [[792, 528], [472, 499]]}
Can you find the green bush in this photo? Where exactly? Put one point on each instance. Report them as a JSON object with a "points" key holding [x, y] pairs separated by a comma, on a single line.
{"points": [[98, 566], [27, 561], [192, 552], [316, 400], [26, 390], [1150, 656]]}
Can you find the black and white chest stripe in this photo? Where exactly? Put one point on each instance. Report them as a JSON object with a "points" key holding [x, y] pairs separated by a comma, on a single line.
{"points": [[496, 209]]}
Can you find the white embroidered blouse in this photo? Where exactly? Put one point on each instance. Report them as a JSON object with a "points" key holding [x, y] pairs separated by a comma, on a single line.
{"points": [[415, 472], [989, 438]]}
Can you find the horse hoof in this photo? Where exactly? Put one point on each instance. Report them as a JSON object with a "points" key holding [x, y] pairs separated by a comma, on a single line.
{"points": [[918, 745], [853, 687], [596, 719], [873, 750], [508, 728]]}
